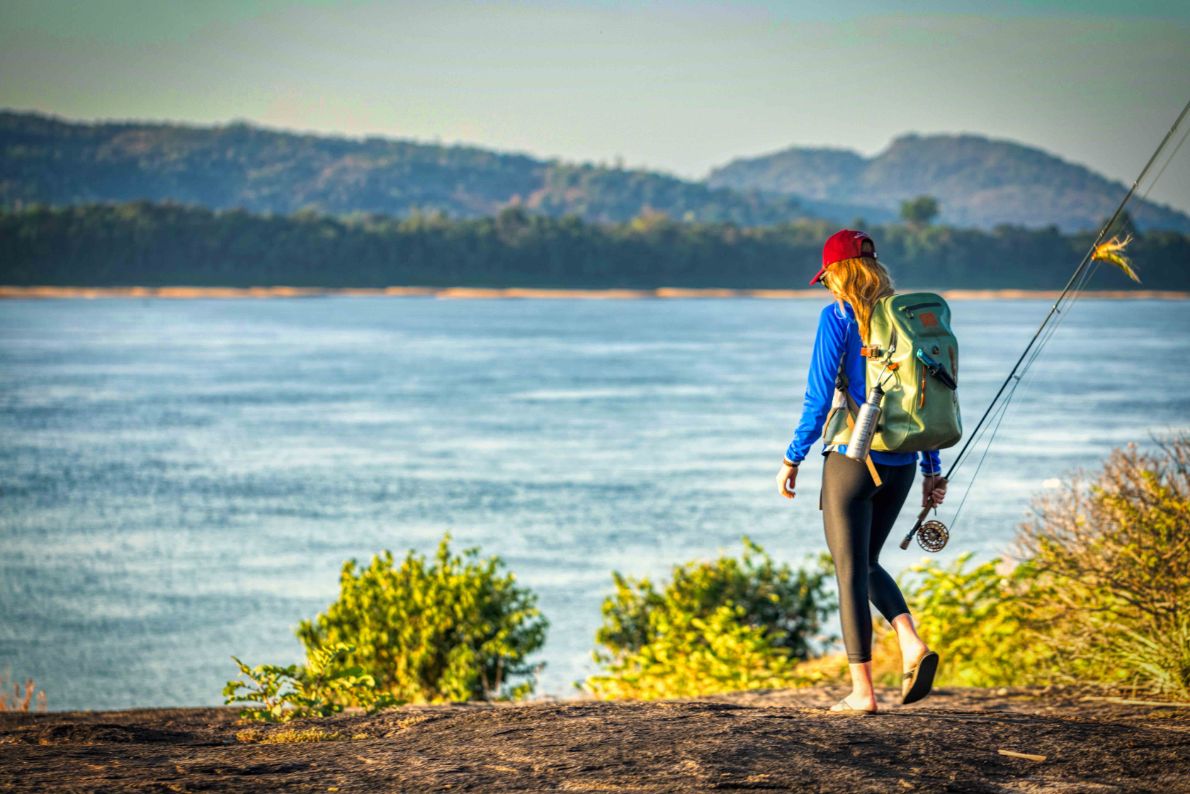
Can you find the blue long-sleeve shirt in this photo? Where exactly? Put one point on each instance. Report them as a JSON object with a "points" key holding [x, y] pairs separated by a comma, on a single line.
{"points": [[838, 335]]}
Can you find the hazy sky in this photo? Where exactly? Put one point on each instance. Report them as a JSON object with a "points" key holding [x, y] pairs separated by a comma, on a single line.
{"points": [[678, 87]]}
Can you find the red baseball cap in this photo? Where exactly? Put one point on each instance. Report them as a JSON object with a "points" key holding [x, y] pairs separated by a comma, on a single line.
{"points": [[844, 244]]}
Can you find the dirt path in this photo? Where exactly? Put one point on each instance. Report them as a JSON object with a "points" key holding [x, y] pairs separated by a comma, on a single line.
{"points": [[770, 740]]}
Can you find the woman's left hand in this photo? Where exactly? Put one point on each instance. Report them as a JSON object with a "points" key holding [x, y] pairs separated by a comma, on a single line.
{"points": [[787, 480], [933, 490]]}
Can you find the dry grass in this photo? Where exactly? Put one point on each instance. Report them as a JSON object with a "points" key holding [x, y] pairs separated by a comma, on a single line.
{"points": [[15, 696], [1113, 554]]}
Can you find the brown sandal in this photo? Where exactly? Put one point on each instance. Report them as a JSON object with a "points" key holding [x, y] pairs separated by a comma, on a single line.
{"points": [[920, 678], [843, 707]]}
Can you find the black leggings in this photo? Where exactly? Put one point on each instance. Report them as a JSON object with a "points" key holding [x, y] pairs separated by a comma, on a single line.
{"points": [[858, 517]]}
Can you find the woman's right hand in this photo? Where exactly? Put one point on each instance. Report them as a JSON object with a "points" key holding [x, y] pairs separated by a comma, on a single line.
{"points": [[933, 490], [787, 480]]}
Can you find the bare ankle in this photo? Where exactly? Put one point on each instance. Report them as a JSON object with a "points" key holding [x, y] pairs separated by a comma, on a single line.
{"points": [[913, 645], [907, 637]]}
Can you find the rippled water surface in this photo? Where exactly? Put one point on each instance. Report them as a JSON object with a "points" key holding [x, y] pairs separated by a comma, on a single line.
{"points": [[181, 481]]}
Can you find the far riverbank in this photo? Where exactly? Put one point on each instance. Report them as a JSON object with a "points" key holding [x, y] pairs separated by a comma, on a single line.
{"points": [[489, 293]]}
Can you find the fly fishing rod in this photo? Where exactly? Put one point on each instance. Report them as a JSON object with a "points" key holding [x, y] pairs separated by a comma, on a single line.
{"points": [[932, 535]]}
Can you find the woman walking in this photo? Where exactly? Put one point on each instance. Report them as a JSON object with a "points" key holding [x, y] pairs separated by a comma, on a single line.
{"points": [[857, 513]]}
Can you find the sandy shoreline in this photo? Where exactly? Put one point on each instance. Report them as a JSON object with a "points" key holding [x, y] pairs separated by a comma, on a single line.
{"points": [[504, 293]]}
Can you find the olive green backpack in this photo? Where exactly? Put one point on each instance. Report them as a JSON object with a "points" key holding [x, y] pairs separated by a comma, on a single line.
{"points": [[915, 357]]}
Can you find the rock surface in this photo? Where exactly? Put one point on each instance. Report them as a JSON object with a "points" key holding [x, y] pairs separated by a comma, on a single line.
{"points": [[775, 740]]}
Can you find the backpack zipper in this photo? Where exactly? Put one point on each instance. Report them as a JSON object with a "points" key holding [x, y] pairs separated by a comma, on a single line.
{"points": [[917, 306]]}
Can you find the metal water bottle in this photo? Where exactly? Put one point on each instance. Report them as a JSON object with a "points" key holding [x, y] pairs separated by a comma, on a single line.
{"points": [[860, 443]]}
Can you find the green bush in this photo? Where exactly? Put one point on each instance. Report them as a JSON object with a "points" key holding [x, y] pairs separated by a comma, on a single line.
{"points": [[717, 626], [1100, 595], [321, 687], [981, 619], [453, 629]]}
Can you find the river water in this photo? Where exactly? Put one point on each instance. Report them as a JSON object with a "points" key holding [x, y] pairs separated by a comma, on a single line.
{"points": [[182, 480]]}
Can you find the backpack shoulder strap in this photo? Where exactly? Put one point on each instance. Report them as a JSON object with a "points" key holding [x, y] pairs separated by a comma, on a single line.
{"points": [[841, 384]]}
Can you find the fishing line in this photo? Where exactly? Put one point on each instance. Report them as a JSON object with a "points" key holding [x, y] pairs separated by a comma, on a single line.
{"points": [[1001, 409], [1040, 337], [1075, 294], [995, 425], [1168, 160], [1074, 285], [998, 416], [994, 414], [1079, 277]]}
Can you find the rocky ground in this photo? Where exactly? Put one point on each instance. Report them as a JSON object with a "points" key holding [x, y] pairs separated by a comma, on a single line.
{"points": [[778, 740]]}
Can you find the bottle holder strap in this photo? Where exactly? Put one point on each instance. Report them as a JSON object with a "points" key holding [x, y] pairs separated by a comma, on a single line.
{"points": [[867, 458]]}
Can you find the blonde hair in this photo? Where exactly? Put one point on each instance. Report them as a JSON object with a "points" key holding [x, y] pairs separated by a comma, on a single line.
{"points": [[861, 282]]}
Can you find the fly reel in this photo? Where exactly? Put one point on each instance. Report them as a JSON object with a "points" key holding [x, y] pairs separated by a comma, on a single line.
{"points": [[932, 535]]}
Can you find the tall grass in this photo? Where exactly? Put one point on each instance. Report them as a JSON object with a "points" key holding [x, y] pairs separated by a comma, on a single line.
{"points": [[1112, 559], [20, 696]]}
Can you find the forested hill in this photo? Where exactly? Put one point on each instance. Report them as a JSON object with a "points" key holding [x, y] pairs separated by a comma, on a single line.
{"points": [[979, 182], [49, 161], [146, 244]]}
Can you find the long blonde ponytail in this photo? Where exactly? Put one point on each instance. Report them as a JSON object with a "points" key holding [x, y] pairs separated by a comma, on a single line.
{"points": [[861, 282]]}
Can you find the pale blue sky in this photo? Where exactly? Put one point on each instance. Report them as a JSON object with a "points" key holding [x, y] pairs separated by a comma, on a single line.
{"points": [[678, 87]]}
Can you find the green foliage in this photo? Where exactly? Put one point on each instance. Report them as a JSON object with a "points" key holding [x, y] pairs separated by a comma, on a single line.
{"points": [[143, 244], [1101, 594], [693, 656], [920, 211], [717, 626], [790, 605], [321, 687], [452, 629], [309, 735], [980, 618]]}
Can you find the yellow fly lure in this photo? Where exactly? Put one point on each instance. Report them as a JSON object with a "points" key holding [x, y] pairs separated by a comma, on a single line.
{"points": [[1112, 251]]}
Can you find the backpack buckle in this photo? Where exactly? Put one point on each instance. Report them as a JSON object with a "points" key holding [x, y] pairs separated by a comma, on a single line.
{"points": [[871, 351]]}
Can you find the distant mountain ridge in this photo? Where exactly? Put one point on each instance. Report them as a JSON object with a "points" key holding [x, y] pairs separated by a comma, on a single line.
{"points": [[979, 182], [55, 162]]}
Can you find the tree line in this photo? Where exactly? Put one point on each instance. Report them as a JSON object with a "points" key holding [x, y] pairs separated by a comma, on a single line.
{"points": [[163, 244]]}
